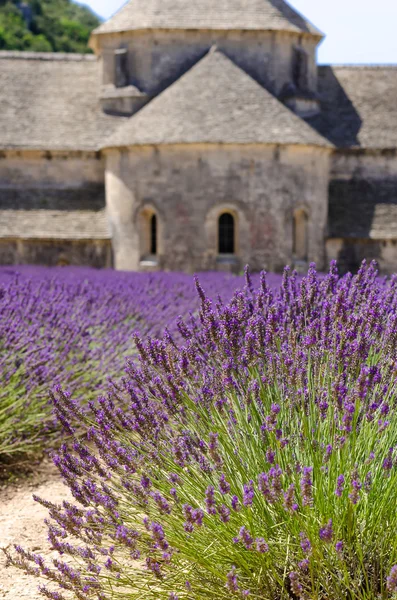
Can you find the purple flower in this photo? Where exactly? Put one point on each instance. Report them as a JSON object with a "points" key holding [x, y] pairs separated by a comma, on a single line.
{"points": [[245, 537], [261, 546], [224, 513], [305, 543], [210, 500], [270, 456], [236, 504], [248, 496], [275, 474], [326, 532], [307, 486], [264, 487], [339, 486], [368, 482], [175, 479], [198, 516], [296, 587], [231, 581], [289, 496], [145, 482], [224, 486], [304, 565], [355, 489], [391, 582], [388, 461], [339, 547]]}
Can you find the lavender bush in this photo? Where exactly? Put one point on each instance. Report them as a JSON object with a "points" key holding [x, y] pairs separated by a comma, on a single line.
{"points": [[75, 326], [256, 459]]}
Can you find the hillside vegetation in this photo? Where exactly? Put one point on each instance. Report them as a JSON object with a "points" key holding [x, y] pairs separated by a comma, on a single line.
{"points": [[45, 25]]}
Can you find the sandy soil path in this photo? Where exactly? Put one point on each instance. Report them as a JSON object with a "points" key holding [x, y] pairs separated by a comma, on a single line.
{"points": [[21, 522]]}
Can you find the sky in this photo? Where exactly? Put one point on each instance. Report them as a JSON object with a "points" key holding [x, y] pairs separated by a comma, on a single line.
{"points": [[357, 31]]}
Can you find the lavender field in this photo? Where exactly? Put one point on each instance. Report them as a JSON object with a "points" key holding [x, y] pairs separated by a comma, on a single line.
{"points": [[75, 327], [246, 449]]}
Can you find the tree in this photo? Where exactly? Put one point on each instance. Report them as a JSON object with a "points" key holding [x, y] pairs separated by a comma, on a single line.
{"points": [[45, 25]]}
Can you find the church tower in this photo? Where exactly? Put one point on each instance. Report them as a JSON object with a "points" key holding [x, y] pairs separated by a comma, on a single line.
{"points": [[149, 44]]}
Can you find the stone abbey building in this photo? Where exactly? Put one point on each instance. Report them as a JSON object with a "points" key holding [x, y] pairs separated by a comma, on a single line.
{"points": [[201, 135]]}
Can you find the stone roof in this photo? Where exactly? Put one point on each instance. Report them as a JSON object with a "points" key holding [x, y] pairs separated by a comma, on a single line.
{"points": [[215, 102], [54, 224], [208, 14], [364, 209], [50, 101], [359, 107]]}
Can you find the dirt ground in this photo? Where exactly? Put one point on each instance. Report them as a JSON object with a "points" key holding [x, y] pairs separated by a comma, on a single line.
{"points": [[21, 522]]}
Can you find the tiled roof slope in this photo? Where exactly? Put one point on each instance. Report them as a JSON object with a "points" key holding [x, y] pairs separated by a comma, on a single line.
{"points": [[215, 102], [363, 209], [50, 102], [54, 224], [208, 14], [54, 213], [359, 106]]}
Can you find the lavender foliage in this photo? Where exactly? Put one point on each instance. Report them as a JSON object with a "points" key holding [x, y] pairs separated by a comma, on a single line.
{"points": [[75, 327], [256, 457]]}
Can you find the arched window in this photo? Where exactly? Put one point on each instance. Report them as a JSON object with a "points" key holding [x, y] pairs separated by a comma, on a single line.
{"points": [[300, 69], [121, 67], [149, 228], [153, 234], [226, 234], [300, 235]]}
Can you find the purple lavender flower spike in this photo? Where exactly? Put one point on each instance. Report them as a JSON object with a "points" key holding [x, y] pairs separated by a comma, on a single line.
{"points": [[261, 546], [339, 486], [224, 486], [305, 543], [248, 495], [326, 532], [307, 486], [210, 500], [296, 586], [391, 582], [231, 581]]}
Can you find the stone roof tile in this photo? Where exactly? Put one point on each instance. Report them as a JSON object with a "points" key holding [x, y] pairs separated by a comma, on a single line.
{"points": [[208, 14], [359, 107], [54, 224], [215, 102], [50, 102]]}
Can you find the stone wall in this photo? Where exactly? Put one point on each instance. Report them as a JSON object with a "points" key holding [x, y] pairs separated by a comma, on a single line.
{"points": [[38, 185], [188, 187], [90, 253], [157, 58], [56, 170], [351, 252], [51, 180], [363, 209]]}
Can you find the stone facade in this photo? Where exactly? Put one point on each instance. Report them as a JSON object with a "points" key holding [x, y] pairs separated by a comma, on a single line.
{"points": [[197, 138], [155, 59], [56, 252], [52, 209], [363, 208], [188, 188]]}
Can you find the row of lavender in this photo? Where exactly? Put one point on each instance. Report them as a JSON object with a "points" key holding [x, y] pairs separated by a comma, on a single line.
{"points": [[75, 327], [256, 458]]}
